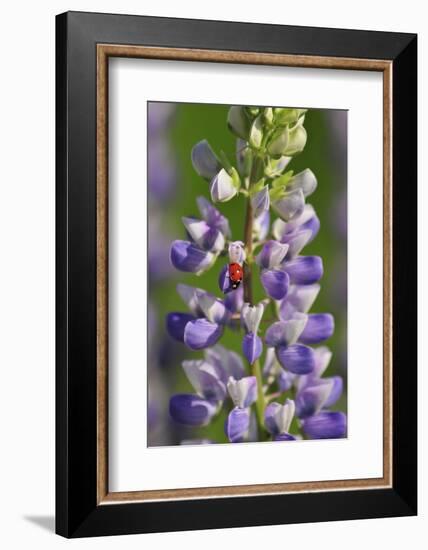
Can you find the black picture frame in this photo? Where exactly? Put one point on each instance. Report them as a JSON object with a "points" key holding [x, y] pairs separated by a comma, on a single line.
{"points": [[78, 513]]}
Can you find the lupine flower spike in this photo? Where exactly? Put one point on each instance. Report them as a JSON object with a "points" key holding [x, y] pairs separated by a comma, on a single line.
{"points": [[289, 398]]}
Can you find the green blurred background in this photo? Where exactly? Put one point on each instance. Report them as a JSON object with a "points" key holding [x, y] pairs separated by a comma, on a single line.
{"points": [[326, 155]]}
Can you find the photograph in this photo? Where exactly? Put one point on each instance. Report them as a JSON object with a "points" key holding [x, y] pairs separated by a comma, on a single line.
{"points": [[247, 273]]}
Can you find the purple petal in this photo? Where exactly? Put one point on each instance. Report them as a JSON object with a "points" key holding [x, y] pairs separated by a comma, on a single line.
{"points": [[253, 430], [284, 437], [222, 187], [285, 380], [271, 255], [296, 242], [224, 282], [252, 347], [306, 181], [304, 270], [185, 256], [237, 424], [275, 282], [298, 358], [212, 216], [278, 417], [176, 323], [242, 392], [290, 206], [191, 410], [322, 359], [207, 237], [336, 391], [320, 326], [312, 399], [200, 334], [251, 316], [234, 300], [204, 160], [299, 298], [326, 425], [261, 225], [227, 363], [312, 225], [260, 201], [285, 333], [205, 380], [213, 308], [189, 295]]}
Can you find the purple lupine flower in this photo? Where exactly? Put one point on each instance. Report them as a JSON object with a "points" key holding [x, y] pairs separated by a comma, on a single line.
{"points": [[208, 239], [176, 323], [290, 205], [312, 398], [300, 298], [213, 217], [211, 232], [204, 236], [319, 327], [187, 256], [201, 334], [284, 336], [205, 379], [326, 425], [237, 424], [227, 362], [243, 393], [278, 420], [191, 410], [251, 317], [274, 279], [204, 326], [234, 299], [304, 270], [309, 384], [223, 187], [286, 232], [204, 160]]}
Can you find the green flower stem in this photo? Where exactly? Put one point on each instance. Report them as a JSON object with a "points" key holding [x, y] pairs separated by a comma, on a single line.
{"points": [[248, 237], [248, 297], [260, 403], [273, 309]]}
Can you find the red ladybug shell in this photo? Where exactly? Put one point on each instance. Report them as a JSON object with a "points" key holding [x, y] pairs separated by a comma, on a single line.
{"points": [[236, 274]]}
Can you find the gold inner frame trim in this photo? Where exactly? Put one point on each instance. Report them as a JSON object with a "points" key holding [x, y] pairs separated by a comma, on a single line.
{"points": [[104, 51]]}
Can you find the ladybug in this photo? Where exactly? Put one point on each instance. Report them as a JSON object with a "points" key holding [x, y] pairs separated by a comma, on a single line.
{"points": [[236, 274]]}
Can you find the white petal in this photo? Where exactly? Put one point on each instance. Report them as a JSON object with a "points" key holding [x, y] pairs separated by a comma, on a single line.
{"points": [[237, 252], [252, 316], [222, 187], [285, 415]]}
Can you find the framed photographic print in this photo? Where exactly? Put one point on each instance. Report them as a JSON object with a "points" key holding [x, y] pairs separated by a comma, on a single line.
{"points": [[236, 274]]}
